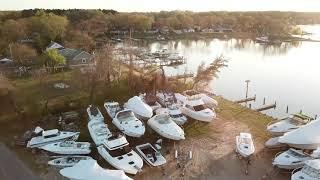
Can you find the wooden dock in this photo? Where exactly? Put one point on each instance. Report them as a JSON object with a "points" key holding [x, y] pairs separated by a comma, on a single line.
{"points": [[266, 107], [246, 100]]}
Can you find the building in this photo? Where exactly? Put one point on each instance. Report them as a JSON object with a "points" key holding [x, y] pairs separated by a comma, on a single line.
{"points": [[54, 45], [5, 62], [76, 57]]}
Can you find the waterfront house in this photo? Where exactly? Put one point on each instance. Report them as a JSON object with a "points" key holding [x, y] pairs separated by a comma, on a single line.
{"points": [[76, 57], [54, 45]]}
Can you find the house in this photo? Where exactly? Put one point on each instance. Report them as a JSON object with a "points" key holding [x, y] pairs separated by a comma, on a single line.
{"points": [[164, 30], [177, 31], [5, 62], [76, 57], [188, 30], [54, 45]]}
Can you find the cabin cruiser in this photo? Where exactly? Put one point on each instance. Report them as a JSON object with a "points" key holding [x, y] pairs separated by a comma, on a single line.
{"points": [[112, 108], [310, 171], [117, 154], [274, 143], [151, 100], [195, 108], [127, 123], [50, 136], [278, 128], [290, 159], [91, 170], [67, 161], [164, 125], [94, 113], [175, 114], [166, 98], [305, 137], [150, 154], [99, 131], [244, 145], [68, 147], [208, 101], [141, 109]]}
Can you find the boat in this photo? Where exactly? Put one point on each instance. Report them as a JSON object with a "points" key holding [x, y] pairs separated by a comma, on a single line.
{"points": [[94, 113], [67, 161], [68, 147], [195, 108], [120, 157], [273, 143], [150, 100], [210, 102], [244, 145], [175, 114], [50, 136], [164, 125], [98, 131], [140, 109], [309, 171], [151, 155], [127, 123], [305, 137], [112, 108], [290, 159], [166, 98], [262, 39], [278, 128], [91, 170]]}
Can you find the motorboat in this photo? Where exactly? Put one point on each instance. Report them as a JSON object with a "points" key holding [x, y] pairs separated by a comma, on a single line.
{"points": [[99, 132], [112, 108], [273, 143], [91, 170], [94, 113], [244, 145], [309, 171], [141, 109], [290, 159], [195, 108], [278, 128], [164, 125], [50, 136], [263, 39], [166, 98], [150, 154], [151, 100], [208, 101], [120, 157], [67, 161], [127, 123], [68, 147], [305, 137], [175, 114]]}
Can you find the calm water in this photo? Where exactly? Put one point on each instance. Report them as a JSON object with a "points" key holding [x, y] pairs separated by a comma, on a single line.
{"points": [[288, 73]]}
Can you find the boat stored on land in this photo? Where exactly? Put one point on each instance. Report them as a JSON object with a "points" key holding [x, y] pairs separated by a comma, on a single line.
{"points": [[151, 100], [68, 147], [67, 161], [290, 159], [273, 143], [127, 123], [94, 113], [112, 108], [141, 109], [98, 131], [208, 101], [244, 144], [165, 126], [150, 154], [310, 171], [175, 114], [166, 98]]}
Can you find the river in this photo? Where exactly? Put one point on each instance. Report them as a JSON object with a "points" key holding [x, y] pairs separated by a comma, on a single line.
{"points": [[286, 73]]}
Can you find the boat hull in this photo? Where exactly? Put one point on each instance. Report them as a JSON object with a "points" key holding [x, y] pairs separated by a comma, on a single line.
{"points": [[39, 144]]}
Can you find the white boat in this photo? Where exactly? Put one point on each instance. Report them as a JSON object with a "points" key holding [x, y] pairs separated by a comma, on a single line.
{"points": [[263, 39], [166, 98], [150, 154], [128, 161], [310, 171], [290, 159], [305, 137], [175, 114], [274, 143], [98, 131], [50, 136], [244, 144], [91, 170], [195, 108], [208, 101], [112, 108], [127, 123], [94, 113], [150, 100], [141, 109], [278, 128], [165, 126], [68, 147], [67, 161]]}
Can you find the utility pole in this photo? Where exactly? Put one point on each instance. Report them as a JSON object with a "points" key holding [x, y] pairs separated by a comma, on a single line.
{"points": [[247, 81]]}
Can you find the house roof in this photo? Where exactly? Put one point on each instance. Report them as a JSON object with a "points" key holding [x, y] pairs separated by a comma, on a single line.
{"points": [[5, 60], [54, 45], [69, 53]]}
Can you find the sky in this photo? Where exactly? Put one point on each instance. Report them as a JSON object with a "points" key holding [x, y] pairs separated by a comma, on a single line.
{"points": [[158, 5]]}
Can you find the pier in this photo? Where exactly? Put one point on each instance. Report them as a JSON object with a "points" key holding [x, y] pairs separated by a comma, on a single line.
{"points": [[266, 107], [246, 99]]}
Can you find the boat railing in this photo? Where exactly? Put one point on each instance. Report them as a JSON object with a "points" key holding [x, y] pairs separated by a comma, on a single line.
{"points": [[295, 170], [278, 154]]}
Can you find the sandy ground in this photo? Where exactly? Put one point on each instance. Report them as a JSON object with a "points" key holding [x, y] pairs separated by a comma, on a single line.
{"points": [[214, 157]]}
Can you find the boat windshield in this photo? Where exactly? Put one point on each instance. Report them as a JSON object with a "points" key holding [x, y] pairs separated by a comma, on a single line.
{"points": [[163, 119], [296, 154], [245, 141], [199, 107], [125, 116], [176, 115], [120, 152], [312, 172]]}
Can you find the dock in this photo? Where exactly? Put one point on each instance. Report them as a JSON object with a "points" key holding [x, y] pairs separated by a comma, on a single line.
{"points": [[266, 107], [246, 99]]}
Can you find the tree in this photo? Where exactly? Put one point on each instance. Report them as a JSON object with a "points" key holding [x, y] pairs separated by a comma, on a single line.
{"points": [[206, 74], [77, 39], [22, 54], [51, 58], [12, 30]]}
